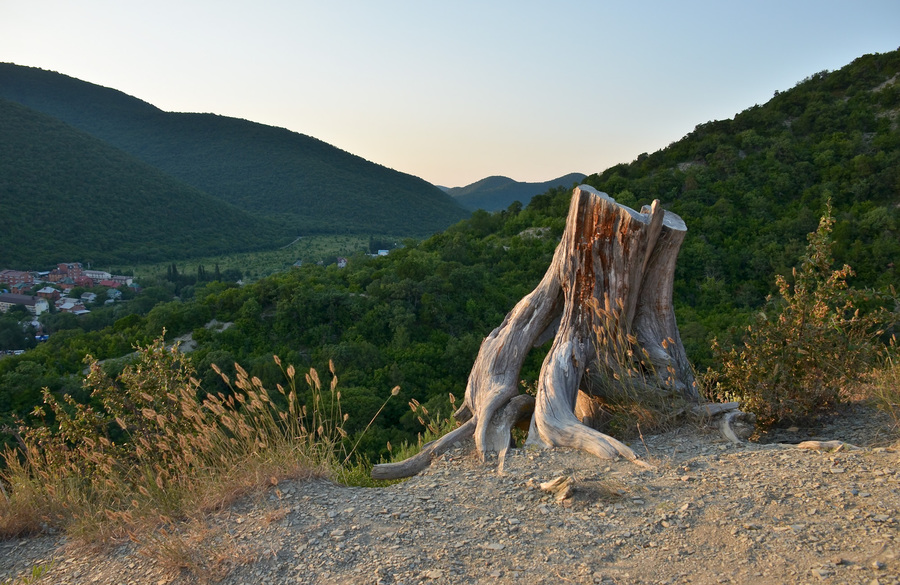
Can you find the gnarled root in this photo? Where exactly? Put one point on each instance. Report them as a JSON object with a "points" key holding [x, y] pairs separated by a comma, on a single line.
{"points": [[832, 446], [499, 432], [423, 458], [735, 425]]}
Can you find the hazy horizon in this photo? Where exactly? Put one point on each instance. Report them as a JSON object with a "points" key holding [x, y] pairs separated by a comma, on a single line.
{"points": [[454, 92]]}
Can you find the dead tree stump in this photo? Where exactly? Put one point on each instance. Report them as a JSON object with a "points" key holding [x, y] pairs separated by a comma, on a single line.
{"points": [[605, 300]]}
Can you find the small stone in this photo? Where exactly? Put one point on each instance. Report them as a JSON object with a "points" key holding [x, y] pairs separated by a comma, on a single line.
{"points": [[433, 574], [821, 573], [494, 546], [877, 565]]}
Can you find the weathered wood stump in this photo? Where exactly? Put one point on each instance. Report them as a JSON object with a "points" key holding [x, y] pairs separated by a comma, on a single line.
{"points": [[610, 280]]}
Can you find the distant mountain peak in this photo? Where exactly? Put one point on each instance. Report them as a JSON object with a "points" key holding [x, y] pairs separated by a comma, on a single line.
{"points": [[498, 192]]}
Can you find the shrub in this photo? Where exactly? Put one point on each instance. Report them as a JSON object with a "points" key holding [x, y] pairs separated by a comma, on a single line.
{"points": [[812, 343]]}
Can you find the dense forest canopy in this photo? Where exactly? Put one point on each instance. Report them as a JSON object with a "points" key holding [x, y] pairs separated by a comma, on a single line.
{"points": [[294, 182], [66, 195], [749, 189]]}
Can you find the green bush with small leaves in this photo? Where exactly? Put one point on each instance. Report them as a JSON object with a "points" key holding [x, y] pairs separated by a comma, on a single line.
{"points": [[815, 341]]}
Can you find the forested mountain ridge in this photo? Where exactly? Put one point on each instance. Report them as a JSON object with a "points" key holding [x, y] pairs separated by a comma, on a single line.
{"points": [[295, 181], [496, 193], [66, 195], [749, 190]]}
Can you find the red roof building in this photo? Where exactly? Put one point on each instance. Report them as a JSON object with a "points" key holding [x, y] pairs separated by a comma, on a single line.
{"points": [[49, 293], [13, 277]]}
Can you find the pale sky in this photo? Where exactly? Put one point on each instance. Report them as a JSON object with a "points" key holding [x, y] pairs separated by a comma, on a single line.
{"points": [[456, 90]]}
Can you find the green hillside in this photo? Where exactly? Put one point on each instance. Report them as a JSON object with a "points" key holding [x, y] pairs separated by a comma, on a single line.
{"points": [[65, 195], [496, 193], [752, 187], [749, 189], [300, 183]]}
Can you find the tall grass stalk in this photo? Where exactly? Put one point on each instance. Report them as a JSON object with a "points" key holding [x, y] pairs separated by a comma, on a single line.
{"points": [[151, 448], [884, 389], [626, 389], [435, 427]]}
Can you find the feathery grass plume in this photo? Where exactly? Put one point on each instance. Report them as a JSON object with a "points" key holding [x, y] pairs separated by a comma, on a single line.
{"points": [[625, 391], [152, 449], [882, 385], [435, 426]]}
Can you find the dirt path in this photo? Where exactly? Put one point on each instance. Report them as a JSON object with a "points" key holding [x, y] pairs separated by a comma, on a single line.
{"points": [[708, 512]]}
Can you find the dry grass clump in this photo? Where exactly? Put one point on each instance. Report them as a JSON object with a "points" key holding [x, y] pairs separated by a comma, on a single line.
{"points": [[883, 388], [626, 392], [150, 449], [205, 552], [436, 426]]}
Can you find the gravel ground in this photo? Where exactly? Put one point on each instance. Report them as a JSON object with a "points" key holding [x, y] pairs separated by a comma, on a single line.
{"points": [[707, 512]]}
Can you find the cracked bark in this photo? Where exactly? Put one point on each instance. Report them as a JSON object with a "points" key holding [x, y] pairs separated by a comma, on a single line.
{"points": [[611, 278]]}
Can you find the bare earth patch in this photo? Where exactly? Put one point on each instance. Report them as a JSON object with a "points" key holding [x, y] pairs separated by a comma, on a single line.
{"points": [[707, 512]]}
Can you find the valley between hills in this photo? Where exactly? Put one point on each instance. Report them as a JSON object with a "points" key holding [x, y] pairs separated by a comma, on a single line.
{"points": [[777, 201]]}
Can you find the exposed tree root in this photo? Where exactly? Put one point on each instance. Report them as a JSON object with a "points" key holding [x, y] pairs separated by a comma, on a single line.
{"points": [[610, 279]]}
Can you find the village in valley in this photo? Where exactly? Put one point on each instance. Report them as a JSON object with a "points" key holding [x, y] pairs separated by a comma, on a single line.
{"points": [[40, 292]]}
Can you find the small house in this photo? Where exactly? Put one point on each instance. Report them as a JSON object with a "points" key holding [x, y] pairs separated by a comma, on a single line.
{"points": [[34, 304], [49, 293]]}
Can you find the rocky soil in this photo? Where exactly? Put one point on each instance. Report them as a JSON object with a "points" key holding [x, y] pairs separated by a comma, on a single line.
{"points": [[707, 512]]}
